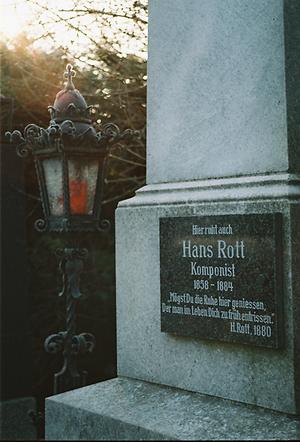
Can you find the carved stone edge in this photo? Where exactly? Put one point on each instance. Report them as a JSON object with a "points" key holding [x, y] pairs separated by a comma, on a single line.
{"points": [[272, 186]]}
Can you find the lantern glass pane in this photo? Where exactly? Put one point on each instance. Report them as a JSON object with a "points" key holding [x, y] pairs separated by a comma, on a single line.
{"points": [[54, 183], [82, 185]]}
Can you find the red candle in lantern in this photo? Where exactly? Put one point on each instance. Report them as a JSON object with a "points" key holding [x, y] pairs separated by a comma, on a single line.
{"points": [[78, 197]]}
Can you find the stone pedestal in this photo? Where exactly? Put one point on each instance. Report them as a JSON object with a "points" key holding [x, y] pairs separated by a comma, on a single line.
{"points": [[220, 109], [128, 409], [259, 376], [223, 139]]}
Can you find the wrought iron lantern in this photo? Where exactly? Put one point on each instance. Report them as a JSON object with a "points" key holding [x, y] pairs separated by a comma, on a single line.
{"points": [[70, 159]]}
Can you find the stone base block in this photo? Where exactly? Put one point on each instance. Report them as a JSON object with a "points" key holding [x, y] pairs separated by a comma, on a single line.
{"points": [[128, 409], [265, 377]]}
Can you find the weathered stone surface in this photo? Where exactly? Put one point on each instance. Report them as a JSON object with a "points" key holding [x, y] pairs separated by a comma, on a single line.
{"points": [[15, 424], [222, 137], [223, 89], [126, 409], [265, 377]]}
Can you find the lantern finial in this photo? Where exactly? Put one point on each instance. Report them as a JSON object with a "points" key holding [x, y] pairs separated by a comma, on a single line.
{"points": [[69, 74]]}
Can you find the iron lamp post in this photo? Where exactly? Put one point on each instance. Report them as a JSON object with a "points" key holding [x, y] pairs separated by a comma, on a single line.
{"points": [[71, 161]]}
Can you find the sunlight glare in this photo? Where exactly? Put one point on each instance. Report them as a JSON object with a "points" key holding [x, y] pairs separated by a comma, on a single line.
{"points": [[52, 23]]}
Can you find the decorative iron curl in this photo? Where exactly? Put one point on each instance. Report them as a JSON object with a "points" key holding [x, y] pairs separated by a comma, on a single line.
{"points": [[55, 343], [32, 130], [129, 133], [51, 110], [68, 128], [54, 130], [83, 343], [17, 138], [104, 225], [23, 150], [111, 130], [32, 134], [115, 149], [36, 137], [108, 132], [40, 225]]}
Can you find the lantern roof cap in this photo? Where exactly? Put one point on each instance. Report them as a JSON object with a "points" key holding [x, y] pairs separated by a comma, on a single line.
{"points": [[69, 104]]}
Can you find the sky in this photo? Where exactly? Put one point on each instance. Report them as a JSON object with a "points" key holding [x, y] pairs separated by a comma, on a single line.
{"points": [[41, 18]]}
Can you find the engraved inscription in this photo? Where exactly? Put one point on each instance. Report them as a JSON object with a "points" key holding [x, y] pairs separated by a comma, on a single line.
{"points": [[221, 278]]}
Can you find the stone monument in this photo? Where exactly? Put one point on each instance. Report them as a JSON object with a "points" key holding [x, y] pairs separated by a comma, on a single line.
{"points": [[208, 252]]}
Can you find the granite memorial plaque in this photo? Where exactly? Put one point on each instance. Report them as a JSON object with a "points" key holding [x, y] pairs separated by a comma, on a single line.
{"points": [[221, 278]]}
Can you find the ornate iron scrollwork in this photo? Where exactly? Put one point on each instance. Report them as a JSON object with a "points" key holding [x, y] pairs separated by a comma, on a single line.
{"points": [[40, 225], [55, 343], [83, 343], [68, 342]]}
